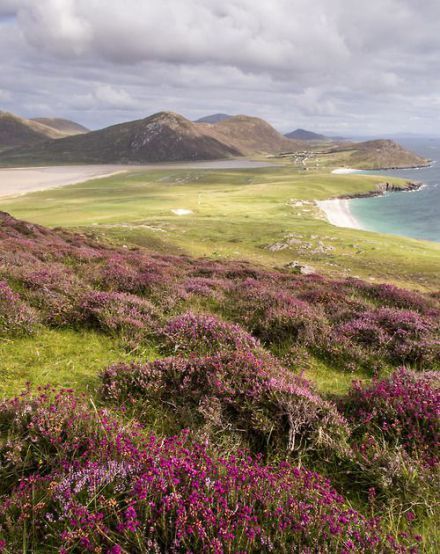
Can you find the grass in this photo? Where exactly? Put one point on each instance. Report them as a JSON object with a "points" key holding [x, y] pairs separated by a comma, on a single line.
{"points": [[65, 357], [236, 214]]}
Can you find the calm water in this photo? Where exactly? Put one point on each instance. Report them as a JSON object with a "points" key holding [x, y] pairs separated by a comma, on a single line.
{"points": [[413, 214]]}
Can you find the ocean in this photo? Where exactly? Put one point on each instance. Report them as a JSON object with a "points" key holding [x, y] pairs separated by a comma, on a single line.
{"points": [[413, 214]]}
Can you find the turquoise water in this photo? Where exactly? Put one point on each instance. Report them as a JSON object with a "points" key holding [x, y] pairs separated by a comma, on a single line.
{"points": [[413, 214]]}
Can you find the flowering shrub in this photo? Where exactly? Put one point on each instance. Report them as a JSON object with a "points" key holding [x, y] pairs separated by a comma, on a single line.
{"points": [[54, 291], [403, 409], [83, 485], [132, 318], [275, 315], [192, 333], [399, 336], [237, 392], [16, 317], [389, 295]]}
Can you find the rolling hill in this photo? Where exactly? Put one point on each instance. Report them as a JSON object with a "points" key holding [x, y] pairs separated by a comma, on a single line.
{"points": [[65, 126], [214, 118], [165, 136], [251, 135], [303, 134], [17, 131], [380, 154], [169, 137]]}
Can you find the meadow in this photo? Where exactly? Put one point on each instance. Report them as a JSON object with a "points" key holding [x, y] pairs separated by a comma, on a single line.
{"points": [[266, 216], [187, 389]]}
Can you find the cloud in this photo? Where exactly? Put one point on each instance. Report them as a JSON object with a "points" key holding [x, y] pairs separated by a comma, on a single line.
{"points": [[323, 64]]}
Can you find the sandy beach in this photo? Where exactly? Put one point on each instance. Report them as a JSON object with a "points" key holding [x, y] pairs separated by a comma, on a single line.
{"points": [[21, 180], [338, 213], [344, 171]]}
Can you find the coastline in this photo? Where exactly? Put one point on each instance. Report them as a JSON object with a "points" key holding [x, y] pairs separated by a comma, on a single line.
{"points": [[337, 210]]}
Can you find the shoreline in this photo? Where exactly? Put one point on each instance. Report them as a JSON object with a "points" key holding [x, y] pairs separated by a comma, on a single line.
{"points": [[17, 181], [337, 210]]}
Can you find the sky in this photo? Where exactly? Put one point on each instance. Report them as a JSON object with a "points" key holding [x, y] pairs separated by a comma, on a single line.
{"points": [[345, 67]]}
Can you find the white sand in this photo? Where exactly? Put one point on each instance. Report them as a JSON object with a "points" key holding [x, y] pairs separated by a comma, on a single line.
{"points": [[344, 171], [338, 213], [20, 180]]}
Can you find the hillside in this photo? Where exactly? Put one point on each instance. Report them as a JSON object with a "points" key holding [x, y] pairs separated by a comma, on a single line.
{"points": [[379, 154], [164, 136], [65, 126], [250, 135], [17, 131], [303, 134], [186, 420], [214, 118], [168, 137]]}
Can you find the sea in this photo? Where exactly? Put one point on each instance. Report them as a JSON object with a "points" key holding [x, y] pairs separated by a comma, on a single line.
{"points": [[413, 214]]}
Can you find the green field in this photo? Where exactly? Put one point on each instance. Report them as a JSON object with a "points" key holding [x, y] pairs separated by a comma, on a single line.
{"points": [[236, 214]]}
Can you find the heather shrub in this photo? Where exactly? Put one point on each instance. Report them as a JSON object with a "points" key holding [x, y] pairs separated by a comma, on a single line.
{"points": [[274, 315], [395, 336], [238, 393], [53, 427], [206, 287], [54, 291], [129, 317], [192, 333], [86, 486], [390, 295], [16, 318], [403, 409]]}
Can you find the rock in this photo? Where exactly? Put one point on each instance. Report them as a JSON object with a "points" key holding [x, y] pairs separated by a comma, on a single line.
{"points": [[301, 268]]}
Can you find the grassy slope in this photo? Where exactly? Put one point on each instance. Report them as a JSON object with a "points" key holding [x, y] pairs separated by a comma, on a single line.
{"points": [[237, 214]]}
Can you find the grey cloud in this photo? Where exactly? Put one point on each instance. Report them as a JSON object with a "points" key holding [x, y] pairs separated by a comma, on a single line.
{"points": [[328, 65]]}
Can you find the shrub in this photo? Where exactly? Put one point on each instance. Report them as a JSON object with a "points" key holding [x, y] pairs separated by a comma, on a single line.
{"points": [[16, 318], [403, 409], [234, 392], [132, 318], [54, 291], [192, 333], [398, 336], [88, 487], [274, 315]]}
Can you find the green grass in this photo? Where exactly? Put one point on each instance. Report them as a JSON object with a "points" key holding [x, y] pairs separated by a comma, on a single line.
{"points": [[236, 214], [59, 357]]}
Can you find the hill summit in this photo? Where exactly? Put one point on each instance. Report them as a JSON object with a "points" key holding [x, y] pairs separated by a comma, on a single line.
{"points": [[65, 126], [164, 136], [303, 134], [18, 131]]}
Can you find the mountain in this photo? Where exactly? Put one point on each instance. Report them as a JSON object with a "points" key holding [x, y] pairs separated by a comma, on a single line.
{"points": [[214, 118], [17, 131], [303, 134], [165, 136], [65, 126], [379, 154], [251, 135]]}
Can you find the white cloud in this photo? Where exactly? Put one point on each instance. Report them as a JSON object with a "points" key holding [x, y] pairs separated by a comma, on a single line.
{"points": [[291, 61]]}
